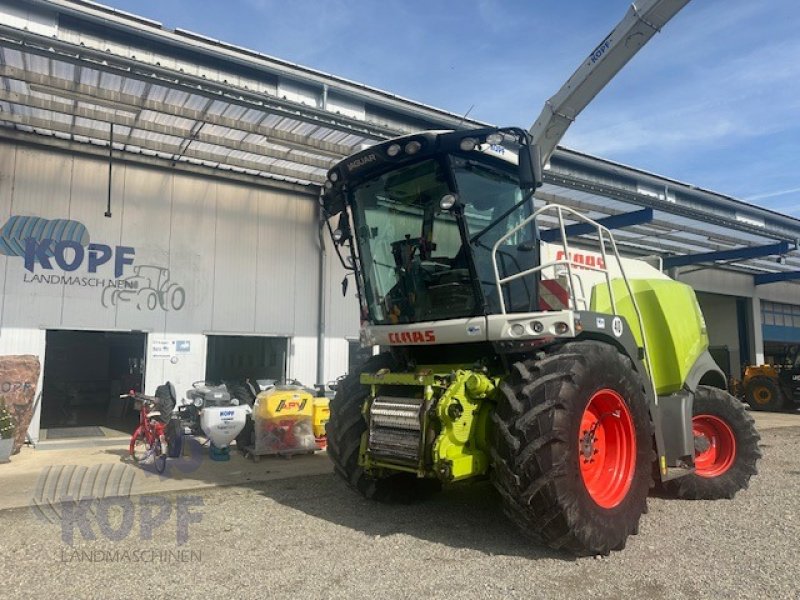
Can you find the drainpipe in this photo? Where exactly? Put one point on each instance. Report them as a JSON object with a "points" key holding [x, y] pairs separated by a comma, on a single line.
{"points": [[321, 298]]}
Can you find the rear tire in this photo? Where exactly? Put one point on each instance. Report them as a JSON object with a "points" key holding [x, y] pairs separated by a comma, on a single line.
{"points": [[345, 429], [541, 448], [764, 393], [159, 457], [726, 448]]}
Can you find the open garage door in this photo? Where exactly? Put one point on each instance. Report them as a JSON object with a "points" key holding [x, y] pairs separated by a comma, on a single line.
{"points": [[727, 331], [84, 374]]}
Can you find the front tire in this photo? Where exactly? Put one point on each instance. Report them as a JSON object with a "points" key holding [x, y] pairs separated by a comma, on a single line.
{"points": [[726, 448], [573, 448], [345, 429], [138, 446]]}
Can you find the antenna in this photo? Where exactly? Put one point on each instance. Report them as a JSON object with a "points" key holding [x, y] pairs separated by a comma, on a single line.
{"points": [[469, 110]]}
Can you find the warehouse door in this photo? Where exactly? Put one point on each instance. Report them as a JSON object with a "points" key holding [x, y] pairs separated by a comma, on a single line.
{"points": [[84, 374], [727, 330], [240, 357]]}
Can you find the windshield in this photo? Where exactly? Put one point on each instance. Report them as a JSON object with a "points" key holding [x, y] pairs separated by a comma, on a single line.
{"points": [[413, 261], [486, 194]]}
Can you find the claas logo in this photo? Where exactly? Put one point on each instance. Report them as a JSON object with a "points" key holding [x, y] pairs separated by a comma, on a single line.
{"points": [[412, 337], [291, 405]]}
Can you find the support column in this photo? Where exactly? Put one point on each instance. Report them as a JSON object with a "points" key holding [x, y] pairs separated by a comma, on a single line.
{"points": [[756, 332]]}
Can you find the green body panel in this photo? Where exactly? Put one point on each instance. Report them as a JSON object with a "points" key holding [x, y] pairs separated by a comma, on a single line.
{"points": [[455, 452], [392, 378], [674, 326]]}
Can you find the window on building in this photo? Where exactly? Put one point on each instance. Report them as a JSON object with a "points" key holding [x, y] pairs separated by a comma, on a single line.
{"points": [[782, 315]]}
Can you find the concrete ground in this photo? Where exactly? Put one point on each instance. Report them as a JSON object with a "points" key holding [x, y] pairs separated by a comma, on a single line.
{"points": [[51, 471], [103, 469], [290, 529]]}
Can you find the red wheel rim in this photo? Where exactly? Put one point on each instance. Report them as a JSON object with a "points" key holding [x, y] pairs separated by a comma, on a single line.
{"points": [[720, 452], [607, 448]]}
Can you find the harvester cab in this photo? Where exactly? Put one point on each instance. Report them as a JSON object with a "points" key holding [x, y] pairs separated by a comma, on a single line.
{"points": [[569, 382]]}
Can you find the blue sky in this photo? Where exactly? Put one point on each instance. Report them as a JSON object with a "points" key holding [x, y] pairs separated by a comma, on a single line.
{"points": [[714, 100]]}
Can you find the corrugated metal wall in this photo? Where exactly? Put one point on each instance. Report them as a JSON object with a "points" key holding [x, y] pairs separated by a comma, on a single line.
{"points": [[245, 259]]}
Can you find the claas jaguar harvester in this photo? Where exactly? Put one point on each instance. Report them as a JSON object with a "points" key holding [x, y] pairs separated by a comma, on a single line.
{"points": [[573, 384]]}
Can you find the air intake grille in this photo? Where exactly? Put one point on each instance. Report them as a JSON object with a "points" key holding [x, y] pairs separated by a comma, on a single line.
{"points": [[395, 432]]}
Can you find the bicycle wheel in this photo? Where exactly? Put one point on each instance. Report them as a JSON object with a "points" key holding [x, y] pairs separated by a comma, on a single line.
{"points": [[159, 457], [139, 447]]}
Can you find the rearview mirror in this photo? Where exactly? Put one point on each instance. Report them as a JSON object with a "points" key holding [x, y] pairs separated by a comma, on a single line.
{"points": [[530, 167]]}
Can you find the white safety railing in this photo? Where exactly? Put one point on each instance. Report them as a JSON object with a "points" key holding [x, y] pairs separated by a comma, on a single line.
{"points": [[558, 212]]}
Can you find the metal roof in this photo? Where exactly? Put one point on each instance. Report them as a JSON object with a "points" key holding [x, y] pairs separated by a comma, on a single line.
{"points": [[74, 70]]}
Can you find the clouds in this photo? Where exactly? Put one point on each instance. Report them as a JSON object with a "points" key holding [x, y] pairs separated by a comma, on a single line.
{"points": [[722, 112], [714, 99]]}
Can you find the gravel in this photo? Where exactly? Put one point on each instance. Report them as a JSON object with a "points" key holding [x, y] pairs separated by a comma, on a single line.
{"points": [[313, 538]]}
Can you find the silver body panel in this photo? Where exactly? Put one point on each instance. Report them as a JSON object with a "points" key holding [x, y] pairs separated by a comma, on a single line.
{"points": [[491, 328]]}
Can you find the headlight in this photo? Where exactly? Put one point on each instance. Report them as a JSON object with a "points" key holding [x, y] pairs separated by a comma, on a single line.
{"points": [[447, 202], [198, 402], [393, 150], [413, 147], [334, 176], [494, 138], [468, 144], [337, 235], [234, 402]]}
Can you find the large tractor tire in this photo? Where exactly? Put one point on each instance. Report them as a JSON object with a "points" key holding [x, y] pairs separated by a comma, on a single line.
{"points": [[764, 393], [572, 448], [345, 429], [726, 448]]}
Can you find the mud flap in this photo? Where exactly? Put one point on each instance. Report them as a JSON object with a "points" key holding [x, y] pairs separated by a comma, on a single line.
{"points": [[675, 411]]}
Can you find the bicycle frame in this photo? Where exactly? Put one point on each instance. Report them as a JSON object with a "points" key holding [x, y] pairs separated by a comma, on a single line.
{"points": [[151, 430]]}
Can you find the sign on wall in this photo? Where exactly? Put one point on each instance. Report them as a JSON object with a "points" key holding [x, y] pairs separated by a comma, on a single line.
{"points": [[169, 348], [59, 252]]}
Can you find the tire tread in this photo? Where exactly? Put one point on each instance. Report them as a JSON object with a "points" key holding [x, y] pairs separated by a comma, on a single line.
{"points": [[531, 441]]}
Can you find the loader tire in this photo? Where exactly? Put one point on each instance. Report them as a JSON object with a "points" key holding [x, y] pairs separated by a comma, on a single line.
{"points": [[572, 448], [764, 393], [345, 429], [726, 448]]}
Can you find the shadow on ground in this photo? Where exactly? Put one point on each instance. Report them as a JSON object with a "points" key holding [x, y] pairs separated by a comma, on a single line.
{"points": [[467, 516]]}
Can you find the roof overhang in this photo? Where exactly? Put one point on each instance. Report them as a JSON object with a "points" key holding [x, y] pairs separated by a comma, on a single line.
{"points": [[75, 73]]}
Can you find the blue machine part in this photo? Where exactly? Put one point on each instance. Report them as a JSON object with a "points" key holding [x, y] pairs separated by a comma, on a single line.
{"points": [[218, 454]]}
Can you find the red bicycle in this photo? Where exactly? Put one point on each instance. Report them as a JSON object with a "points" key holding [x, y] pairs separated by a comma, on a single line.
{"points": [[149, 439]]}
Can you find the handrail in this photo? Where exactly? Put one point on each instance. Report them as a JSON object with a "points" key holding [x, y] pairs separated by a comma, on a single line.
{"points": [[602, 231]]}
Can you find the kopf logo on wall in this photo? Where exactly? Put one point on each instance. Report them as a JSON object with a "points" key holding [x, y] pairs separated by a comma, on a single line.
{"points": [[47, 245]]}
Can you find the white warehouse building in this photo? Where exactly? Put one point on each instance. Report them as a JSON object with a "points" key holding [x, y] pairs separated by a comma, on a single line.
{"points": [[159, 205]]}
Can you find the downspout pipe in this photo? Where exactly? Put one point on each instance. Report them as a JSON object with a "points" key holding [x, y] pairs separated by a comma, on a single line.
{"points": [[323, 259]]}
